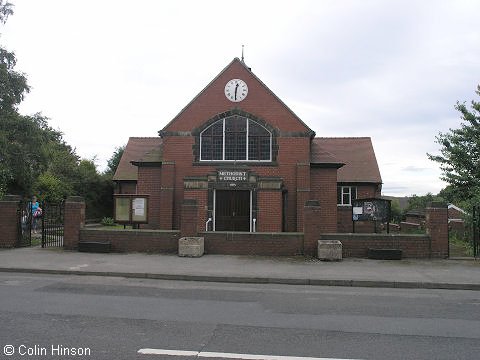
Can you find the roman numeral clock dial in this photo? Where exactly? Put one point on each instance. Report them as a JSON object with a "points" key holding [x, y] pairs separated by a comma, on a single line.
{"points": [[236, 90]]}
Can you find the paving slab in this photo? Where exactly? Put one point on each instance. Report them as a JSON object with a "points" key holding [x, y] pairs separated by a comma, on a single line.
{"points": [[407, 273]]}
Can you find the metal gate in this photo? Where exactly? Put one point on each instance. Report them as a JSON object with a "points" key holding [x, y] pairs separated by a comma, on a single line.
{"points": [[52, 224], [476, 231], [24, 224]]}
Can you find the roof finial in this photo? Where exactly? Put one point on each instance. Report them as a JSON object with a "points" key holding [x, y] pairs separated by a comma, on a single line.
{"points": [[242, 53]]}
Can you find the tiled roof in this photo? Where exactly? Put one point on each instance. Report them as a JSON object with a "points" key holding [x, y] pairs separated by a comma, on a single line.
{"points": [[138, 149], [356, 153]]}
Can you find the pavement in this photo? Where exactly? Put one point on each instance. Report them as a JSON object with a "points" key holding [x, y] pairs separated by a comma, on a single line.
{"points": [[407, 273]]}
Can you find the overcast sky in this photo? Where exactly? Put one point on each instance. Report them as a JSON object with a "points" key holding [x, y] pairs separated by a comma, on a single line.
{"points": [[392, 70]]}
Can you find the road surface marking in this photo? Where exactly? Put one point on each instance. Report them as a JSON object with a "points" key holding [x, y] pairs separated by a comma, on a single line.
{"points": [[205, 354]]}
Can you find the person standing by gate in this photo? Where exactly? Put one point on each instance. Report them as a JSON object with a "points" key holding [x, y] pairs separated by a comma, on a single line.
{"points": [[36, 212]]}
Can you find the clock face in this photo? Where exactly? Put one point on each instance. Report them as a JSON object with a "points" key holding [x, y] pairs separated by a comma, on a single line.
{"points": [[236, 90]]}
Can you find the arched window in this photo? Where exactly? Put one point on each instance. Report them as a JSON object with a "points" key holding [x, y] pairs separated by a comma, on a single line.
{"points": [[235, 138]]}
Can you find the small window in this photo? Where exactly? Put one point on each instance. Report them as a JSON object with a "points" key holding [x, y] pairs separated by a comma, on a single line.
{"points": [[345, 194]]}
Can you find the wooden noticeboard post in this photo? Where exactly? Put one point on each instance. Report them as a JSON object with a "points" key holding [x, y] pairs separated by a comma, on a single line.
{"points": [[131, 209]]}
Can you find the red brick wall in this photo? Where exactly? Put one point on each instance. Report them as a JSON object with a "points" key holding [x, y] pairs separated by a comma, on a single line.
{"points": [[242, 243], [357, 245], [9, 221], [269, 215], [149, 183], [292, 149], [149, 241], [436, 223], [189, 218], [201, 197], [74, 221], [324, 189]]}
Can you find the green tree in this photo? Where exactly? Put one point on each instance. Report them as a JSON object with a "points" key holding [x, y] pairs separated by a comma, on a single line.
{"points": [[13, 85], [460, 153], [5, 11], [416, 202], [114, 160], [396, 211]]}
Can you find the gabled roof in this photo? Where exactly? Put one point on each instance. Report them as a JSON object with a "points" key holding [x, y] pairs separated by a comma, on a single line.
{"points": [[138, 149], [356, 153], [249, 70]]}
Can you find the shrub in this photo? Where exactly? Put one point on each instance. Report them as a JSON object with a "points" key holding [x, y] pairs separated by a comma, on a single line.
{"points": [[108, 221]]}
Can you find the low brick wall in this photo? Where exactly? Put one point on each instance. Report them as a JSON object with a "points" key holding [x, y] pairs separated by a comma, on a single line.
{"points": [[245, 243], [149, 241], [357, 245]]}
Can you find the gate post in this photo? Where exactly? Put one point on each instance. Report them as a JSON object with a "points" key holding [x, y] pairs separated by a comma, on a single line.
{"points": [[189, 218], [74, 220], [9, 221], [312, 227], [436, 223]]}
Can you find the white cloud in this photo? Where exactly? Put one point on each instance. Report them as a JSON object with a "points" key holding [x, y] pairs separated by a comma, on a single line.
{"points": [[106, 70]]}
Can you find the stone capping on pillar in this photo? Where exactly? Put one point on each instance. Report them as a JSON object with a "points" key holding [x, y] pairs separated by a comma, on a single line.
{"points": [[75, 199], [15, 198]]}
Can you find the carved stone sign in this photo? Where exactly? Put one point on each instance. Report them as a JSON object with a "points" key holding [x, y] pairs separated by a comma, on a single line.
{"points": [[233, 175]]}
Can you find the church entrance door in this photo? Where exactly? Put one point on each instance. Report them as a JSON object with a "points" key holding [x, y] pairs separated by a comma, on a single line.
{"points": [[232, 210]]}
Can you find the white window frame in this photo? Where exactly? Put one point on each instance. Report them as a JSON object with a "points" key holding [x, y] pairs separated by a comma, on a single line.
{"points": [[344, 192], [247, 137]]}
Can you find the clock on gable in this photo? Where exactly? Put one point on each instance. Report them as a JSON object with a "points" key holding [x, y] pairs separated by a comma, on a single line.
{"points": [[236, 90]]}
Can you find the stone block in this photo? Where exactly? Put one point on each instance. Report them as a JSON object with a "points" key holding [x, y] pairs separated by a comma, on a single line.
{"points": [[329, 250], [191, 246]]}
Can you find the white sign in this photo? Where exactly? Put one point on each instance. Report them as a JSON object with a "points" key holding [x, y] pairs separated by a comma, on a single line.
{"points": [[138, 206], [357, 210]]}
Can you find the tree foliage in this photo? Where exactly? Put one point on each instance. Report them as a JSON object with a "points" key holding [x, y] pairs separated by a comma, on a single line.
{"points": [[114, 160], [460, 154], [34, 158], [5, 11]]}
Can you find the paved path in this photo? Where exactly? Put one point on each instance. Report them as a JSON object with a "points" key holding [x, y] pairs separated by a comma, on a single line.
{"points": [[409, 273]]}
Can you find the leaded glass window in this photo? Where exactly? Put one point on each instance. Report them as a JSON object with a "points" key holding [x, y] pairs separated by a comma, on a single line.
{"points": [[236, 138]]}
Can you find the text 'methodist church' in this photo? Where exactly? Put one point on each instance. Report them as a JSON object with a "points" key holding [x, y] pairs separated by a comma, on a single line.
{"points": [[248, 161]]}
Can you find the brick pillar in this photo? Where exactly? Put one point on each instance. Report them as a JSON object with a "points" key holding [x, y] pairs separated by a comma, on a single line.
{"points": [[9, 221], [269, 216], [303, 191], [167, 190], [436, 224], [74, 220], [312, 227], [189, 218]]}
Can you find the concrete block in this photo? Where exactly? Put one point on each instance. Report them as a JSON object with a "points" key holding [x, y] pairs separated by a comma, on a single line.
{"points": [[330, 250], [191, 246]]}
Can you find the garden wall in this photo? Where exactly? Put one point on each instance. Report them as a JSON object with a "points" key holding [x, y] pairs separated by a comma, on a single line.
{"points": [[357, 245], [246, 243], [128, 240]]}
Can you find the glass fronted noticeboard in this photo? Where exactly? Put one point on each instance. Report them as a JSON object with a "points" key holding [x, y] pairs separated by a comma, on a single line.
{"points": [[131, 208], [377, 210]]}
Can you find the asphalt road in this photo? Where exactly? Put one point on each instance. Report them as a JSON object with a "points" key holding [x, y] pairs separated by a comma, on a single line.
{"points": [[47, 316]]}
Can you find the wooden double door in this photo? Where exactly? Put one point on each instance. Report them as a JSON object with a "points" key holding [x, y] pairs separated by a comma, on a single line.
{"points": [[232, 210]]}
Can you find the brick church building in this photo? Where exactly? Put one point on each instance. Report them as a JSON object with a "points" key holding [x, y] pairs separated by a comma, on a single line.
{"points": [[248, 161]]}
